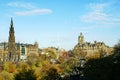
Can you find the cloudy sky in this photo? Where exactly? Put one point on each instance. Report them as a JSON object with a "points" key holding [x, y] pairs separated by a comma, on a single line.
{"points": [[59, 22]]}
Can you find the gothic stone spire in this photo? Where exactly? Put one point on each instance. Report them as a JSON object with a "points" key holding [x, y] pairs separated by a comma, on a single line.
{"points": [[11, 42]]}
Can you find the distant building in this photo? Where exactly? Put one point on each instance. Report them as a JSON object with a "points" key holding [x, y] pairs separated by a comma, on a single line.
{"points": [[91, 48], [12, 51]]}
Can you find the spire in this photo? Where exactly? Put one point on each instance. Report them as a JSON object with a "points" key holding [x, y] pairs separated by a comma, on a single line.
{"points": [[11, 32], [81, 33], [11, 42], [11, 26], [11, 22]]}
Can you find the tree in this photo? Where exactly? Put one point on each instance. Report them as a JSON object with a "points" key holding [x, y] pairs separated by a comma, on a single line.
{"points": [[106, 68], [25, 75], [97, 69], [48, 72], [32, 60], [9, 67], [21, 66], [4, 75], [117, 52], [51, 74], [117, 48], [115, 74], [69, 64]]}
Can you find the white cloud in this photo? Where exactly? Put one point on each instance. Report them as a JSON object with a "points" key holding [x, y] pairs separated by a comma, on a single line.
{"points": [[21, 5], [97, 15], [28, 9], [97, 7], [94, 16], [34, 12]]}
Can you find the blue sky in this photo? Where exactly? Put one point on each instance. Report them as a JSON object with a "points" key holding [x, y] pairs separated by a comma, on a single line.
{"points": [[59, 22]]}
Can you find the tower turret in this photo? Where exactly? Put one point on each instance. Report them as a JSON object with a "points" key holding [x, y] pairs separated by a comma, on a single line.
{"points": [[81, 39], [36, 44]]}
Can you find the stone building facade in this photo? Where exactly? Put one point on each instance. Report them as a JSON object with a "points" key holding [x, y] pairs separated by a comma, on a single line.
{"points": [[92, 48]]}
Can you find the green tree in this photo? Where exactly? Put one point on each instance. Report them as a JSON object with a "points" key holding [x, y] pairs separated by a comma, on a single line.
{"points": [[51, 74], [48, 72], [21, 66], [98, 69], [25, 75], [117, 53], [106, 68], [32, 60]]}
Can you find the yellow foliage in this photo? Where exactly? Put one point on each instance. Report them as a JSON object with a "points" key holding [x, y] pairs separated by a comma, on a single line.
{"points": [[41, 72], [9, 67], [4, 75], [22, 66]]}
